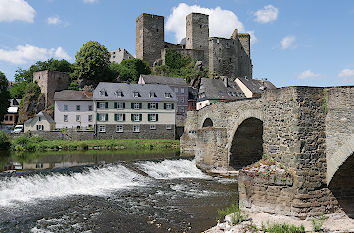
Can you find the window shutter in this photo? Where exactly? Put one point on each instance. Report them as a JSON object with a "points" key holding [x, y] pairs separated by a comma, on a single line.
{"points": [[98, 116], [157, 105], [132, 105], [116, 117], [106, 117], [149, 106], [140, 117], [123, 117], [140, 105], [115, 105], [132, 117], [106, 104], [173, 106], [164, 106], [157, 117], [98, 104], [149, 117], [123, 105]]}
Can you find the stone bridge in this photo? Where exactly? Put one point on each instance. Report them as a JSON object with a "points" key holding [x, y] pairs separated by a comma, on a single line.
{"points": [[307, 132]]}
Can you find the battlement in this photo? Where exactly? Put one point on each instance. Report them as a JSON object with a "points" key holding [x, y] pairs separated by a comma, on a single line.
{"points": [[149, 16]]}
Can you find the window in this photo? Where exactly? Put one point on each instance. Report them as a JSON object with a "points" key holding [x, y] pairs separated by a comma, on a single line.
{"points": [[136, 128], [182, 109], [136, 117], [39, 118], [168, 127], [90, 108], [78, 118], [136, 94], [103, 93], [137, 105], [182, 99], [153, 94], [153, 117], [168, 95], [90, 118], [119, 129], [102, 117], [77, 107], [65, 118], [6, 118], [168, 106], [102, 104], [119, 105], [119, 93], [152, 127], [40, 127], [182, 90], [65, 107], [176, 89], [153, 106], [11, 118], [102, 128], [119, 117]]}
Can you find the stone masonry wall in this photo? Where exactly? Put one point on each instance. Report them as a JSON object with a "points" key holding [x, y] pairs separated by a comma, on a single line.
{"points": [[67, 135]]}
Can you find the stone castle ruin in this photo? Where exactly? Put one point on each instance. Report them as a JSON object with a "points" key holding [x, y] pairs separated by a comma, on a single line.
{"points": [[225, 57]]}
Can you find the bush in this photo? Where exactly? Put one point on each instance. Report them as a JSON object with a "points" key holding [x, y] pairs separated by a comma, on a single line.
{"points": [[318, 222], [237, 216], [4, 141], [282, 228], [24, 143]]}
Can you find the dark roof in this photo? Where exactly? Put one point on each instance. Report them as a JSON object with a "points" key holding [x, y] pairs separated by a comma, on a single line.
{"points": [[171, 81], [215, 89], [192, 93], [41, 114], [257, 86], [73, 95], [111, 90]]}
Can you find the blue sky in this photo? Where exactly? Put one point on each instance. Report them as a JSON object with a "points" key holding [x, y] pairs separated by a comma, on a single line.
{"points": [[294, 42]]}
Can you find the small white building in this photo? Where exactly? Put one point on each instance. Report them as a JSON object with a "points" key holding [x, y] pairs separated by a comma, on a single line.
{"points": [[41, 122], [73, 109], [117, 56]]}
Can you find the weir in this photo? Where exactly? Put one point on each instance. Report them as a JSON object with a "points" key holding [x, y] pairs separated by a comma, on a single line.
{"points": [[308, 131]]}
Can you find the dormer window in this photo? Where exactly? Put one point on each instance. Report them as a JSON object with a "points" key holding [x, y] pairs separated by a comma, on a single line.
{"points": [[103, 93], [153, 94], [136, 94], [119, 93], [168, 95]]}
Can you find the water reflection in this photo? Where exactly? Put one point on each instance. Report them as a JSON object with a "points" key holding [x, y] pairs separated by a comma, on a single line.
{"points": [[12, 162]]}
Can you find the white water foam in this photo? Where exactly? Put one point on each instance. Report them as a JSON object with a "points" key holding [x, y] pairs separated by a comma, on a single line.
{"points": [[191, 191], [94, 182], [172, 169]]}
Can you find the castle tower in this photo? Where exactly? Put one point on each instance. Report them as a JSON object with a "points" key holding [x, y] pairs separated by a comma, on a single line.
{"points": [[197, 34], [149, 37]]}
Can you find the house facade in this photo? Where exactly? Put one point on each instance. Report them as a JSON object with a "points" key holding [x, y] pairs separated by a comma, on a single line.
{"points": [[178, 86], [41, 122], [11, 117], [143, 111], [74, 109]]}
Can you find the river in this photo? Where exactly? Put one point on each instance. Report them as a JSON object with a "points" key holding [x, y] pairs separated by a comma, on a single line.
{"points": [[109, 192]]}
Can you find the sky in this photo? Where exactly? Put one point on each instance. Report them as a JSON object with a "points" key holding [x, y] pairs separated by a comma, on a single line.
{"points": [[294, 43]]}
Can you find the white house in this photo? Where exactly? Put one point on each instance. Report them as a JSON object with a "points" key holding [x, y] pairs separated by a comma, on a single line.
{"points": [[40, 122], [73, 109]]}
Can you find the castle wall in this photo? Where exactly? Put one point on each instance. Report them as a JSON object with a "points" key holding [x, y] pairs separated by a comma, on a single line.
{"points": [[149, 37], [195, 54], [197, 34], [244, 55]]}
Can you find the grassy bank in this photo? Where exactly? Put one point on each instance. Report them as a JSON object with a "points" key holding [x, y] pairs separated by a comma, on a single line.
{"points": [[22, 144]]}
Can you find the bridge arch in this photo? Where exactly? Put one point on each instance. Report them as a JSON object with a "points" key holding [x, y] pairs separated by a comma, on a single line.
{"points": [[245, 143], [208, 123]]}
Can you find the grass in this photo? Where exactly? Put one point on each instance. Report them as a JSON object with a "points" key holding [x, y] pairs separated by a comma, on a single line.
{"points": [[318, 222], [282, 228], [237, 216], [23, 143]]}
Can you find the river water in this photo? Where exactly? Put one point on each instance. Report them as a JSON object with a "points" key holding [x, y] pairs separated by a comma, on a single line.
{"points": [[109, 192]]}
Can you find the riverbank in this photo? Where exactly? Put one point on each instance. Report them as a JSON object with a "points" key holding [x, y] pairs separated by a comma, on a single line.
{"points": [[34, 144]]}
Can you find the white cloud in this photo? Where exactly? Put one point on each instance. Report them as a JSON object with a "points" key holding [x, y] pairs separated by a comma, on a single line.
{"points": [[347, 74], [266, 15], [54, 20], [11, 10], [287, 41], [308, 74], [253, 37], [89, 1], [222, 23], [24, 54]]}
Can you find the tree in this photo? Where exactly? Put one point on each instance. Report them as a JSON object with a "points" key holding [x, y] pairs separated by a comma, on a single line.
{"points": [[73, 86], [92, 63], [4, 95]]}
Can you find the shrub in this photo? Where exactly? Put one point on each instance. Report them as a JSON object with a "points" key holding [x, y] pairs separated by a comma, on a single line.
{"points": [[318, 222], [4, 140], [237, 216], [282, 228]]}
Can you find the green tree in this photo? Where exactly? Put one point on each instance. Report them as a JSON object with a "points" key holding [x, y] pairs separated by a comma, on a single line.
{"points": [[4, 95], [131, 69], [73, 86], [92, 63]]}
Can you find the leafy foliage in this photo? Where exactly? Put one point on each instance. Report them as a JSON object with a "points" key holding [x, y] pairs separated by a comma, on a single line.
{"points": [[4, 95], [237, 216], [129, 70], [73, 86], [92, 63], [282, 228], [318, 222], [4, 141], [177, 65]]}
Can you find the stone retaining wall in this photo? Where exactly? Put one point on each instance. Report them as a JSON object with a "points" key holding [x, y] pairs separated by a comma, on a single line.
{"points": [[66, 135]]}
